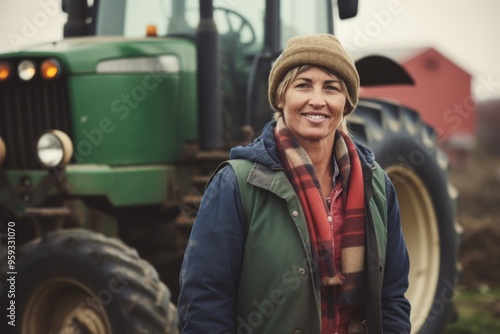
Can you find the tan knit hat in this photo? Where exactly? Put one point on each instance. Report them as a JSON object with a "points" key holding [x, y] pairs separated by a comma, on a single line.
{"points": [[322, 50]]}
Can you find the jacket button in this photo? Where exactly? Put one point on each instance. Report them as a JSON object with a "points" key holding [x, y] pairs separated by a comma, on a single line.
{"points": [[301, 271], [295, 213]]}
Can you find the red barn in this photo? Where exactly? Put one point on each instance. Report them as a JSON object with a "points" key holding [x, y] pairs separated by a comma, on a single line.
{"points": [[441, 94]]}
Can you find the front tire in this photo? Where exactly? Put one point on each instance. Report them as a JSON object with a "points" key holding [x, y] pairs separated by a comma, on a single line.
{"points": [[77, 281], [406, 148]]}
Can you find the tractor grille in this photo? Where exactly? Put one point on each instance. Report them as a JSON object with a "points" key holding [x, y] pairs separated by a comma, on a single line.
{"points": [[27, 109]]}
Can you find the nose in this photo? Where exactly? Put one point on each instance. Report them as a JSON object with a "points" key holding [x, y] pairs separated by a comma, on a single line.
{"points": [[316, 99]]}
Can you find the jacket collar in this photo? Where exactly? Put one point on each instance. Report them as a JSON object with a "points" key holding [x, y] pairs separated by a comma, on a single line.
{"points": [[264, 150]]}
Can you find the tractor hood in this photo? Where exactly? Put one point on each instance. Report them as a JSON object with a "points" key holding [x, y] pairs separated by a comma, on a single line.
{"points": [[82, 54]]}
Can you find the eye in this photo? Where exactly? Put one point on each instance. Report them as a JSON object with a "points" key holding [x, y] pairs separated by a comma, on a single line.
{"points": [[301, 85], [334, 87]]}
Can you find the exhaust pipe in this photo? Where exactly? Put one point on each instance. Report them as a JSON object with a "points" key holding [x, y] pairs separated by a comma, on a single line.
{"points": [[209, 113]]}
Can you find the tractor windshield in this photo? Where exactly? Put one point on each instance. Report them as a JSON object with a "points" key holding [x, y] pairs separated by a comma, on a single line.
{"points": [[243, 17], [304, 17]]}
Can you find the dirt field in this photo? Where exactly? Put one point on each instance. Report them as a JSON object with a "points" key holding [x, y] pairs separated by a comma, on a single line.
{"points": [[478, 181]]}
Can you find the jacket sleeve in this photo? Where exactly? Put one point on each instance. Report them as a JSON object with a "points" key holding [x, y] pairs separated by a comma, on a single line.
{"points": [[212, 261], [395, 306]]}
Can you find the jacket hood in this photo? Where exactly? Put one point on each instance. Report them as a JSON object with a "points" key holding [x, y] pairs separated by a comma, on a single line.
{"points": [[264, 150], [366, 156]]}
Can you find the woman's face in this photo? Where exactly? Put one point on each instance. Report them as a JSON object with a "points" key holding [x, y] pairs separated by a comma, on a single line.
{"points": [[313, 106]]}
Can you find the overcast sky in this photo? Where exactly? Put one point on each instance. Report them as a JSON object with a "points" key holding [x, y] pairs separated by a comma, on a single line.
{"points": [[466, 31]]}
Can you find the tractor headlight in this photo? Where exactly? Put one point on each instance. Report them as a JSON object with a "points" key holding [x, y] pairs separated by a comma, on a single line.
{"points": [[26, 70], [3, 151], [4, 71], [54, 148], [50, 69]]}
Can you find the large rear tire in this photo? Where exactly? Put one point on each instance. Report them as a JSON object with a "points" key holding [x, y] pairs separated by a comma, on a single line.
{"points": [[154, 235], [77, 281], [406, 148]]}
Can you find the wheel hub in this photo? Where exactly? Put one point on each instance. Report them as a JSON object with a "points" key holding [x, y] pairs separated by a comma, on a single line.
{"points": [[75, 310]]}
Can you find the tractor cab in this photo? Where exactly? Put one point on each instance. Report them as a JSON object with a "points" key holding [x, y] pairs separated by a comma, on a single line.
{"points": [[249, 36]]}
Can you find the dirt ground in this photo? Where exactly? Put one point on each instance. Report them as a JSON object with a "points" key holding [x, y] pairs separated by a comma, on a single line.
{"points": [[477, 179]]}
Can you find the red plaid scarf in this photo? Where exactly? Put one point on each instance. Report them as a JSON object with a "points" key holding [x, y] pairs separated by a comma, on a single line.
{"points": [[348, 273]]}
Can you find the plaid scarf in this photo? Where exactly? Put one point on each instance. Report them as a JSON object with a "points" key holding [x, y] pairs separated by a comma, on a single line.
{"points": [[347, 274]]}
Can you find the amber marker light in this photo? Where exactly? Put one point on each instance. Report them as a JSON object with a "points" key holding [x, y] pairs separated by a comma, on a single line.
{"points": [[4, 70], [3, 151], [151, 31], [50, 69]]}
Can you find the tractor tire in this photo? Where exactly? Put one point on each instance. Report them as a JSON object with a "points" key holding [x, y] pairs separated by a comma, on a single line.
{"points": [[154, 235], [77, 281], [407, 149]]}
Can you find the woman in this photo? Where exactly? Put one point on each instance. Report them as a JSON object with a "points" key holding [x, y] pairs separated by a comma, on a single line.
{"points": [[300, 231]]}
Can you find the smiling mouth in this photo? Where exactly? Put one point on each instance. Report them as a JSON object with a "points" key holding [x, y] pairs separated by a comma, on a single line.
{"points": [[315, 116]]}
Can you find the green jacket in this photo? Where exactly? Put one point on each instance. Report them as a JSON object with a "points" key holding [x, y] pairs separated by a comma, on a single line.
{"points": [[262, 294]]}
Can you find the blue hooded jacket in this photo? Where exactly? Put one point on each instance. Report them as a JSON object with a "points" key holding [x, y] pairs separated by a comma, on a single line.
{"points": [[212, 264]]}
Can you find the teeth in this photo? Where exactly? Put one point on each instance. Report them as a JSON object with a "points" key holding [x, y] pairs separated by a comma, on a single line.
{"points": [[316, 116]]}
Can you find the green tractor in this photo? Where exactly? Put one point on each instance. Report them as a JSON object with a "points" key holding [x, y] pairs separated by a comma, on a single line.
{"points": [[108, 136]]}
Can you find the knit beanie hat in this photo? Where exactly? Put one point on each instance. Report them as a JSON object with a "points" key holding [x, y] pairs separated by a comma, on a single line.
{"points": [[322, 50]]}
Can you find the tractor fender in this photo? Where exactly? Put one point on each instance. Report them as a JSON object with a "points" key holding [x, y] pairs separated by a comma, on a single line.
{"points": [[376, 70]]}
